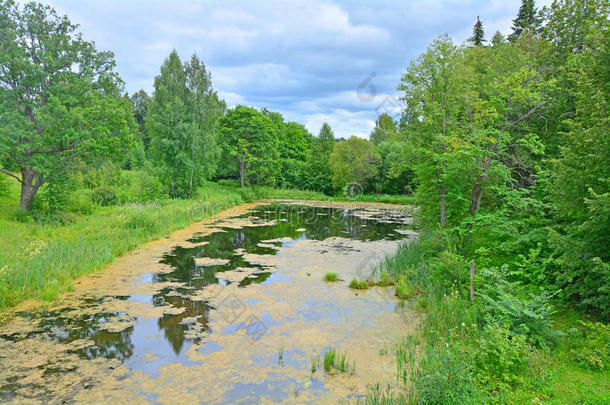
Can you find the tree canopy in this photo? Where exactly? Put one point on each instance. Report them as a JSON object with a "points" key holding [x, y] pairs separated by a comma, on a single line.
{"points": [[60, 101]]}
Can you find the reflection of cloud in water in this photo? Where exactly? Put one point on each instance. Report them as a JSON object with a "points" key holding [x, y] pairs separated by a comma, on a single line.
{"points": [[270, 260]]}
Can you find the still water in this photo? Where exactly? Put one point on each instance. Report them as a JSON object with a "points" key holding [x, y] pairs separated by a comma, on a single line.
{"points": [[231, 310]]}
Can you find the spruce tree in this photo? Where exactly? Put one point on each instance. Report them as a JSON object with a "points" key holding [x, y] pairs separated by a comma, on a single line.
{"points": [[478, 34], [497, 39], [526, 18]]}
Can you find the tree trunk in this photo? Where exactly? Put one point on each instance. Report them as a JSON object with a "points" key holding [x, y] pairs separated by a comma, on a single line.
{"points": [[443, 206], [242, 170], [30, 183]]}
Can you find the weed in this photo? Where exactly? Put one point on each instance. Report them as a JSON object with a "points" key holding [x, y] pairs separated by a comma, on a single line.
{"points": [[331, 277], [280, 356], [358, 285], [335, 361]]}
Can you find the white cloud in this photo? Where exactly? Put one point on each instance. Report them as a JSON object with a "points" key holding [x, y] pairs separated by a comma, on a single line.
{"points": [[303, 58]]}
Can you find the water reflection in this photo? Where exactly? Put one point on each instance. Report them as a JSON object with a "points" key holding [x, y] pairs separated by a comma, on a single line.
{"points": [[280, 225]]}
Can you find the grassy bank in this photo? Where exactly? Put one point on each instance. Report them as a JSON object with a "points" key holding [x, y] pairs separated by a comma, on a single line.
{"points": [[40, 258], [502, 347]]}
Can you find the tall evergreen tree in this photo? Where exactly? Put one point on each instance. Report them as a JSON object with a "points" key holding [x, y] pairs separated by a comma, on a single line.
{"points": [[497, 39], [526, 19], [478, 34]]}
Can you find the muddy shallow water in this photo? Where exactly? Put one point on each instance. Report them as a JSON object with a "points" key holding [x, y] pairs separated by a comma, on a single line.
{"points": [[231, 310]]}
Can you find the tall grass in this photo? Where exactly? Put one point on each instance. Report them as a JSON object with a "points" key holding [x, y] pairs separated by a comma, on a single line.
{"points": [[40, 260]]}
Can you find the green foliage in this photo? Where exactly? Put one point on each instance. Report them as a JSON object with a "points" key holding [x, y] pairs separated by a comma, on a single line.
{"points": [[589, 345], [404, 289], [358, 285], [500, 359], [478, 34], [331, 277], [317, 172], [60, 114], [385, 129], [526, 314], [251, 139], [182, 121], [335, 361], [354, 161], [104, 196], [526, 19], [446, 376]]}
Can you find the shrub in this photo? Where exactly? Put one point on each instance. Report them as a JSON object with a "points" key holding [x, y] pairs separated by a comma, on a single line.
{"points": [[523, 313], [404, 289], [500, 358], [104, 196], [4, 186], [590, 346], [446, 376], [81, 201], [247, 194], [150, 186], [331, 277], [143, 221]]}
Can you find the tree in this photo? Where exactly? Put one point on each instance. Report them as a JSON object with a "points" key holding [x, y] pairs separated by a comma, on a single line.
{"points": [[181, 122], [60, 100], [395, 174], [526, 19], [497, 39], [354, 161], [316, 172], [140, 101], [478, 35], [579, 179], [251, 138], [385, 129], [433, 91]]}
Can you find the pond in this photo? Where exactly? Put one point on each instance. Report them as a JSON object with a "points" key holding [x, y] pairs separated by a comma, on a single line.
{"points": [[231, 310]]}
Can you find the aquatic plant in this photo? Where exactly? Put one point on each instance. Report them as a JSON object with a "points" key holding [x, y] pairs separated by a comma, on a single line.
{"points": [[280, 355], [335, 361], [358, 285]]}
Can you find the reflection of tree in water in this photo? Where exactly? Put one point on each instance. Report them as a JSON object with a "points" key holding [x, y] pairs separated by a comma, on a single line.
{"points": [[171, 325], [223, 245], [66, 329]]}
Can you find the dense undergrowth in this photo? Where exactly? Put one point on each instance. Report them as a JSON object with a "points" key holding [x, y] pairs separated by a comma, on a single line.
{"points": [[508, 345], [99, 216]]}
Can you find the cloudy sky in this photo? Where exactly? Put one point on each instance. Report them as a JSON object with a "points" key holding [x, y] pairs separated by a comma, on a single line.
{"points": [[313, 61]]}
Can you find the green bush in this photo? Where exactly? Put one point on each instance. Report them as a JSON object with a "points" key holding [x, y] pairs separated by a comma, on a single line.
{"points": [[247, 194], [108, 174], [404, 289], [446, 376], [151, 187], [81, 201], [332, 277], [104, 196], [4, 186], [523, 313], [144, 221], [590, 345], [500, 358]]}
